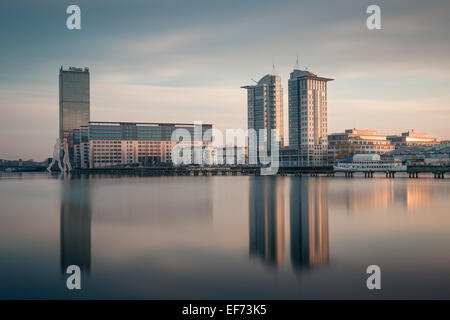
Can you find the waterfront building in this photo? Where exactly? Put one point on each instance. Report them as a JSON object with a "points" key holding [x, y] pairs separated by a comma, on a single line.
{"points": [[265, 108], [230, 156], [74, 101], [288, 157], [131, 143], [356, 141], [81, 147], [308, 117], [416, 155], [412, 139]]}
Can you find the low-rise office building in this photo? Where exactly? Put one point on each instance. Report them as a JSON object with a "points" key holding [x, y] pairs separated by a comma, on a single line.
{"points": [[356, 141], [412, 139], [109, 144], [416, 155], [289, 157], [81, 147]]}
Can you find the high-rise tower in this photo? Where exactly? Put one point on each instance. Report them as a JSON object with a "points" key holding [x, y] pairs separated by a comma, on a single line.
{"points": [[308, 117], [265, 107], [74, 101]]}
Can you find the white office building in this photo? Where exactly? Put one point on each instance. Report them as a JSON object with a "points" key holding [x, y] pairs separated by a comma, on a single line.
{"points": [[308, 118]]}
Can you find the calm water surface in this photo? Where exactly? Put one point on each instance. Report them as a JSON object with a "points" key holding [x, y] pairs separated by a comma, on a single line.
{"points": [[223, 237]]}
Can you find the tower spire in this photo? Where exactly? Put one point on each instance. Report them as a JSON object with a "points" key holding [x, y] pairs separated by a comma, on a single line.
{"points": [[297, 66], [274, 71]]}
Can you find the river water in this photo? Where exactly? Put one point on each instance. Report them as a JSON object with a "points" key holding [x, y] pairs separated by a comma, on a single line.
{"points": [[227, 237]]}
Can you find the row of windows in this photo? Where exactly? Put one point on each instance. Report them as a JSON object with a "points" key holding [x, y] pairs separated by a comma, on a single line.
{"points": [[364, 142], [364, 148]]}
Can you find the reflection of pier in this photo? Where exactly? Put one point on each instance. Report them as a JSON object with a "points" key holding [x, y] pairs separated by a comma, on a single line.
{"points": [[266, 223], [75, 224], [309, 222]]}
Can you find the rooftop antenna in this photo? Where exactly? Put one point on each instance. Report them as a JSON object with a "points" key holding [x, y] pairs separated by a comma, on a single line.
{"points": [[274, 71], [297, 66], [254, 80]]}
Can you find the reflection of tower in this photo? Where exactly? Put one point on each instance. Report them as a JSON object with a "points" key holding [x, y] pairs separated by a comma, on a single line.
{"points": [[266, 234], [76, 224], [309, 222]]}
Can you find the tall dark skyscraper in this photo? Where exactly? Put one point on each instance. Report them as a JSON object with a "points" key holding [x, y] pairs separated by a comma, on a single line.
{"points": [[74, 101]]}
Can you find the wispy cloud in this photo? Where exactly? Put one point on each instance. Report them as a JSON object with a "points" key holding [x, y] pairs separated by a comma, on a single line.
{"points": [[185, 61]]}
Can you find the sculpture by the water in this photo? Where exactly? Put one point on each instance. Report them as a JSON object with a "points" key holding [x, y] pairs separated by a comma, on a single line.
{"points": [[65, 166]]}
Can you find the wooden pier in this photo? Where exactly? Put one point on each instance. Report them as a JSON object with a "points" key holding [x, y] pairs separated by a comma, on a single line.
{"points": [[413, 172]]}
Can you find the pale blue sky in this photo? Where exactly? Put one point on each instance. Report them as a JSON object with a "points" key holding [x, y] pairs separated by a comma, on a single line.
{"points": [[182, 61]]}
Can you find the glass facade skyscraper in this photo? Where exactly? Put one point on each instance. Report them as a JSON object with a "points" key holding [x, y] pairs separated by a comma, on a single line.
{"points": [[74, 101]]}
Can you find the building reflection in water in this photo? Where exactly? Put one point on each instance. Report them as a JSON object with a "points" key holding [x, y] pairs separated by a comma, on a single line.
{"points": [[309, 222], [378, 195], [75, 223], [360, 199], [308, 204], [418, 195], [266, 213]]}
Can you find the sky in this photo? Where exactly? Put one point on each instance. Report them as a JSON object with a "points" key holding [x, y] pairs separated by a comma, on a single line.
{"points": [[182, 61]]}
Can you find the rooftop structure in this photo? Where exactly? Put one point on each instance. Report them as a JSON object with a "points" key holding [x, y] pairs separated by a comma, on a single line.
{"points": [[412, 138], [366, 157]]}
